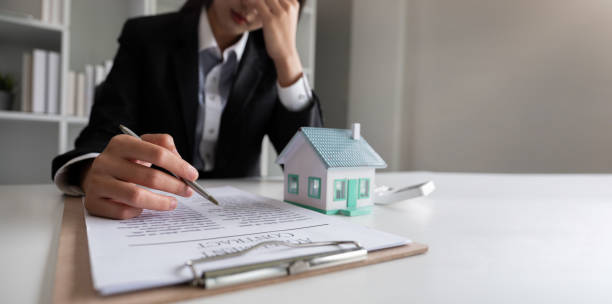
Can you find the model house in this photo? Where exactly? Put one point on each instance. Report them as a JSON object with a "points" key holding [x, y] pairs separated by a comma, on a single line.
{"points": [[330, 170]]}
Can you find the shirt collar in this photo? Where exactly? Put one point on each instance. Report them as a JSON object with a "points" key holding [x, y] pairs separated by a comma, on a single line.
{"points": [[207, 39]]}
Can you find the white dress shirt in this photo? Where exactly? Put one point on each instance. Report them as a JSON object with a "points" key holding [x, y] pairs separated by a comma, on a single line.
{"points": [[294, 97]]}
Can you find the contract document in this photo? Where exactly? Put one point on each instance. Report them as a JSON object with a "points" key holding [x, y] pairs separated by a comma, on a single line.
{"points": [[150, 250]]}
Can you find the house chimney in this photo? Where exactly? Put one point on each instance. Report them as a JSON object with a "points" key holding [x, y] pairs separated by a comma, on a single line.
{"points": [[356, 131]]}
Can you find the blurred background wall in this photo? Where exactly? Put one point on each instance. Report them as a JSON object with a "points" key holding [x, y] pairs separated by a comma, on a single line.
{"points": [[478, 85]]}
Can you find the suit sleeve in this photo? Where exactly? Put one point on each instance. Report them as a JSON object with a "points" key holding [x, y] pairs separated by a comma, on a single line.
{"points": [[115, 100], [286, 123]]}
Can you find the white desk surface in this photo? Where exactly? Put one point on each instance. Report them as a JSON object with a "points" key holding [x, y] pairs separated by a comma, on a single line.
{"points": [[492, 238]]}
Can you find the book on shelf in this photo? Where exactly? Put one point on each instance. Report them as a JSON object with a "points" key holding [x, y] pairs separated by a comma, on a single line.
{"points": [[108, 65], [89, 88], [94, 75], [53, 83], [80, 94], [46, 11], [26, 82], [39, 82], [42, 83], [100, 75], [69, 107], [57, 12]]}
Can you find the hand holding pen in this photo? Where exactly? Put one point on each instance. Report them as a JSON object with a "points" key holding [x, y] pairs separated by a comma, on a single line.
{"points": [[197, 188], [112, 182]]}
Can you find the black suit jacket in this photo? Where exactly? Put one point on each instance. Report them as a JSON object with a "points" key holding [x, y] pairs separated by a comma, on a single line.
{"points": [[153, 88]]}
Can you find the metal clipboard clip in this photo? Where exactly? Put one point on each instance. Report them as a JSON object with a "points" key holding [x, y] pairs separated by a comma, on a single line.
{"points": [[278, 268]]}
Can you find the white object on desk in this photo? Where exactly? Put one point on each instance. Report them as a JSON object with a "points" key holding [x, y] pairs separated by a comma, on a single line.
{"points": [[384, 195]]}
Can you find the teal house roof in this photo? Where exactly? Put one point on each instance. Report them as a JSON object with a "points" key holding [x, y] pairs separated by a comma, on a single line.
{"points": [[337, 149]]}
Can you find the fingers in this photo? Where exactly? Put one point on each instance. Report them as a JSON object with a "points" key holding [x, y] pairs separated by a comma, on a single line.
{"points": [[269, 9], [278, 6], [286, 5], [262, 9], [163, 140], [141, 175], [135, 196], [113, 182], [128, 147], [291, 4], [274, 6], [107, 208]]}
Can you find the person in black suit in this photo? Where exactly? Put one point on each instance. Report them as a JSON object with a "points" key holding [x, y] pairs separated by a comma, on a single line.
{"points": [[204, 85]]}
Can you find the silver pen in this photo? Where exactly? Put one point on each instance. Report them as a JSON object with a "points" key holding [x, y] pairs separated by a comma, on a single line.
{"points": [[197, 188]]}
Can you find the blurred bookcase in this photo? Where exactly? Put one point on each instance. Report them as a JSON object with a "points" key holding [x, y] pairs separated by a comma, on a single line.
{"points": [[29, 140], [87, 34]]}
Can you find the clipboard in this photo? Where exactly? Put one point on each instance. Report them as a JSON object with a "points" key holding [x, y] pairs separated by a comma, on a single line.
{"points": [[73, 282]]}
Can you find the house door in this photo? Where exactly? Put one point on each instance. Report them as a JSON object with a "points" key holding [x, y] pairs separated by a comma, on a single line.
{"points": [[352, 190]]}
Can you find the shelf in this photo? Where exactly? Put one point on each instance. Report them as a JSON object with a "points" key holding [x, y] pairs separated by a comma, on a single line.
{"points": [[30, 32], [15, 115], [77, 120], [22, 116]]}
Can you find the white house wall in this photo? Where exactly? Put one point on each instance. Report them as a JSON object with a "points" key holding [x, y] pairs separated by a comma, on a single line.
{"points": [[305, 163], [348, 173]]}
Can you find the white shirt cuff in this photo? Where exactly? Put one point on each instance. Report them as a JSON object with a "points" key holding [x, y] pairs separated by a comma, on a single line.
{"points": [[296, 96], [62, 175]]}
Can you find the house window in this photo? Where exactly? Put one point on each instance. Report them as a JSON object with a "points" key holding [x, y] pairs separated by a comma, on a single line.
{"points": [[314, 187], [292, 183], [340, 190], [364, 187]]}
